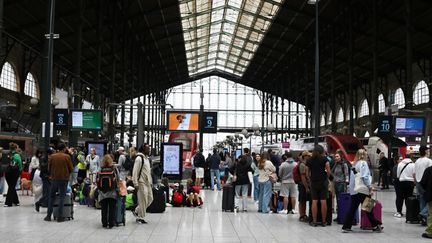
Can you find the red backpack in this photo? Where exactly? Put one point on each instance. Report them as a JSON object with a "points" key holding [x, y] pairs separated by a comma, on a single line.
{"points": [[296, 174], [177, 199]]}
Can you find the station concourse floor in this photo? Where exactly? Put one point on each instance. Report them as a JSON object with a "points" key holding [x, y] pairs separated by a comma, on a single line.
{"points": [[206, 224]]}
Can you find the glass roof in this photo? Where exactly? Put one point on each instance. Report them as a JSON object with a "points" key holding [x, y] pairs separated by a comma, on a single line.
{"points": [[224, 34]]}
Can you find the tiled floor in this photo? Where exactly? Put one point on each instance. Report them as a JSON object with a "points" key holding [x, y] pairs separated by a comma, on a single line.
{"points": [[208, 224]]}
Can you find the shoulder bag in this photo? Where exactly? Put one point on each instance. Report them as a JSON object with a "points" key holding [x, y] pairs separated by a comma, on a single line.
{"points": [[359, 186]]}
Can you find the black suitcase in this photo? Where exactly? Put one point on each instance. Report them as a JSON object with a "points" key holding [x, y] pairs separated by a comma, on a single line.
{"points": [[329, 217], [67, 207], [412, 210], [158, 205], [228, 198]]}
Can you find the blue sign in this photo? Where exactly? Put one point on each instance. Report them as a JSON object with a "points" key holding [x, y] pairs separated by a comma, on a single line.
{"points": [[209, 124], [61, 119], [409, 126], [385, 126]]}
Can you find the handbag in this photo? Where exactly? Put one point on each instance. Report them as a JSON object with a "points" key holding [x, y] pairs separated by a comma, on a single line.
{"points": [[368, 204], [273, 177], [122, 190], [359, 186]]}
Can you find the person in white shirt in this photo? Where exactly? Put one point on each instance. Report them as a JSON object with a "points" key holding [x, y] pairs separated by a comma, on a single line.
{"points": [[420, 166], [142, 180], [93, 161], [405, 173]]}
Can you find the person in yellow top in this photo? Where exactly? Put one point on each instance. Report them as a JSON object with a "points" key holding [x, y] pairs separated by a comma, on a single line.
{"points": [[82, 167]]}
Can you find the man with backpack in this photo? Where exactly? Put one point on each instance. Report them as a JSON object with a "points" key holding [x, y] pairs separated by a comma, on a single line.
{"points": [[142, 180], [59, 169]]}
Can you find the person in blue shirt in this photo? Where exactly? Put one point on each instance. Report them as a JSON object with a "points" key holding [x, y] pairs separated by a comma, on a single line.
{"points": [[357, 197]]}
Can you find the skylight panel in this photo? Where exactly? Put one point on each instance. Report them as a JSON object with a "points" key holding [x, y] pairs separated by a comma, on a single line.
{"points": [[224, 34]]}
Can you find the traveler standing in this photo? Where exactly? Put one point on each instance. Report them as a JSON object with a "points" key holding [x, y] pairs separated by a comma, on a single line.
{"points": [[383, 170], [82, 167], [121, 159], [199, 163], [357, 197], [274, 159], [405, 173], [142, 180], [107, 185], [240, 171], [304, 185], [34, 164], [426, 184], [288, 187], [249, 158], [12, 174], [59, 169], [215, 161], [421, 165], [46, 184], [93, 162], [319, 168], [266, 168], [340, 176], [74, 158], [255, 170]]}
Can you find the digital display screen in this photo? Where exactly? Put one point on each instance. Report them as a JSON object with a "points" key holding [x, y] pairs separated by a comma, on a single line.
{"points": [[210, 122], [99, 146], [171, 158], [183, 121], [385, 125], [238, 153], [86, 119], [409, 126], [61, 119]]}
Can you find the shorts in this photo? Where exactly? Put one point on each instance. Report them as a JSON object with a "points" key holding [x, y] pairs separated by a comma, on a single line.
{"points": [[319, 190], [199, 172], [288, 190], [303, 196]]}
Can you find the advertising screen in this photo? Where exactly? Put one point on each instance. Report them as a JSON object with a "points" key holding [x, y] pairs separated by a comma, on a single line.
{"points": [[409, 126], [183, 121], [99, 146], [86, 119], [171, 158]]}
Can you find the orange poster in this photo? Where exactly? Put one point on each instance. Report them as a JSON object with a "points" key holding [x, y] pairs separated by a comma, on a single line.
{"points": [[183, 121]]}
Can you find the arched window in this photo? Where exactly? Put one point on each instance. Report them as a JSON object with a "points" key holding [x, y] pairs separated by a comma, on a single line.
{"points": [[329, 118], [8, 78], [340, 117], [30, 87], [421, 93], [399, 98], [381, 103], [347, 113], [322, 123], [364, 109]]}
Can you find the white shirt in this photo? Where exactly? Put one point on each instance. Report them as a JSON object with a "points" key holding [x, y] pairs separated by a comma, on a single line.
{"points": [[420, 166], [408, 173]]}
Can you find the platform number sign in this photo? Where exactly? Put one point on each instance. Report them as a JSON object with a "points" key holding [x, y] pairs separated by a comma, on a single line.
{"points": [[385, 125], [209, 122], [61, 119]]}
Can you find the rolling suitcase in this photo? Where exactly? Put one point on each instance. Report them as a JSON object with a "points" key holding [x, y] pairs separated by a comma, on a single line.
{"points": [[377, 210], [412, 210], [120, 212], [67, 207], [228, 198], [343, 206], [158, 205]]}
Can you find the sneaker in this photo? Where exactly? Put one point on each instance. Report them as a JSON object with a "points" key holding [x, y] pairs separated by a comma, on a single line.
{"points": [[141, 221], [245, 210], [346, 230], [283, 211], [7, 206], [47, 218], [293, 212], [313, 224], [37, 207], [397, 215], [378, 229]]}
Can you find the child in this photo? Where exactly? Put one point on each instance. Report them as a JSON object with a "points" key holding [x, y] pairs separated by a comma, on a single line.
{"points": [[179, 197], [193, 195]]}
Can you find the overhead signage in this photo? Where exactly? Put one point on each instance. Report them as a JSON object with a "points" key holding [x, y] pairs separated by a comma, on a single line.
{"points": [[385, 126], [209, 122], [409, 126], [61, 119], [183, 121], [86, 120]]}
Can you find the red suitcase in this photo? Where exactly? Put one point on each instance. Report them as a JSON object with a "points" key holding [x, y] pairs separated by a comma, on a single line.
{"points": [[377, 210]]}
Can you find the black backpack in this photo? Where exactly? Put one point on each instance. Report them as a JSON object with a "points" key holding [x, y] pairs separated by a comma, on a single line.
{"points": [[106, 181], [128, 163]]}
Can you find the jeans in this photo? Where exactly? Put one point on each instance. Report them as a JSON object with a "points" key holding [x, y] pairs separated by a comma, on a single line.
{"points": [[423, 203], [43, 201], [60, 187], [243, 190], [108, 212], [11, 179], [265, 191], [356, 200], [214, 173], [2, 181], [256, 188]]}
